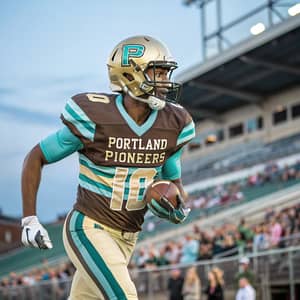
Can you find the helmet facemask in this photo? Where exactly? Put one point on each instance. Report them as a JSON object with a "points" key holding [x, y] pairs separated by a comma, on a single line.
{"points": [[165, 90], [154, 92]]}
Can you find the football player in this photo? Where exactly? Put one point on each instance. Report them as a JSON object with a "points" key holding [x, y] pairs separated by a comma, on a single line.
{"points": [[125, 141]]}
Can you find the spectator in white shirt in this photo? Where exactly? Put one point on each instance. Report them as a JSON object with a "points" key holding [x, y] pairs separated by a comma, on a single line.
{"points": [[246, 291]]}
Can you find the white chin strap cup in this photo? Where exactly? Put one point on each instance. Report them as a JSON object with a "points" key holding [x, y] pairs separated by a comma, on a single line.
{"points": [[153, 102], [156, 103]]}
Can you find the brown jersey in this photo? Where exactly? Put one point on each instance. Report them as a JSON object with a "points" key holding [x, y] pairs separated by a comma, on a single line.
{"points": [[119, 158]]}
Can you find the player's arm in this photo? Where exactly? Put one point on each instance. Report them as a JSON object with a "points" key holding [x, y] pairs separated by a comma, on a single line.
{"points": [[172, 171], [31, 176], [51, 149]]}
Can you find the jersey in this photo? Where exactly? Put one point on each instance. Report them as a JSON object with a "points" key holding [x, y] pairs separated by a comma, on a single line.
{"points": [[119, 158]]}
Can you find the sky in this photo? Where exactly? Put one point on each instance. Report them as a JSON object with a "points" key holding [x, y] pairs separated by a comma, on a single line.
{"points": [[51, 50]]}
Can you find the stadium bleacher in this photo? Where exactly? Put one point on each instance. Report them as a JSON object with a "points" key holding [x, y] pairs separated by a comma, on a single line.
{"points": [[240, 157]]}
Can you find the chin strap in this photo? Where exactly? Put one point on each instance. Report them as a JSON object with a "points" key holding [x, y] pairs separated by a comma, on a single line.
{"points": [[153, 102], [156, 103]]}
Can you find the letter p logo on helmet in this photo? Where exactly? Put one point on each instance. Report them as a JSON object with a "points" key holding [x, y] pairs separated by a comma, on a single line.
{"points": [[131, 51]]}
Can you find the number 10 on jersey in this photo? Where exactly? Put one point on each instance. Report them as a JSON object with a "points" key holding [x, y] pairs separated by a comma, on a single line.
{"points": [[138, 180]]}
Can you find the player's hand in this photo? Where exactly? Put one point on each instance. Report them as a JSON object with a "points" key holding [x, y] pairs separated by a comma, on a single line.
{"points": [[164, 209], [34, 234]]}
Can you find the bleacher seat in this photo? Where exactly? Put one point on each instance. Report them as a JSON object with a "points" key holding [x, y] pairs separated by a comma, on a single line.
{"points": [[237, 157]]}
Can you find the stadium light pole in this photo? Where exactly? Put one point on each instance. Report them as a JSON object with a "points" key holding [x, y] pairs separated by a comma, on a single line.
{"points": [[203, 29], [270, 13], [219, 25], [219, 33], [201, 5]]}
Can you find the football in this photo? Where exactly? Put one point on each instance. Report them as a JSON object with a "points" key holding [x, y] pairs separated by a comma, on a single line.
{"points": [[162, 188]]}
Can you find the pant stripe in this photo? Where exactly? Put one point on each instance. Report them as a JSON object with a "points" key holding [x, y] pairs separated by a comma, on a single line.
{"points": [[76, 250], [81, 259], [93, 260]]}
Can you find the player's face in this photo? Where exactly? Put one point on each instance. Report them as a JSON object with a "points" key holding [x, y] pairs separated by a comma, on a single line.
{"points": [[161, 75], [158, 74]]}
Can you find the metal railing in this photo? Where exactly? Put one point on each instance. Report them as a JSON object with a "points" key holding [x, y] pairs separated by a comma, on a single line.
{"points": [[280, 267], [43, 290]]}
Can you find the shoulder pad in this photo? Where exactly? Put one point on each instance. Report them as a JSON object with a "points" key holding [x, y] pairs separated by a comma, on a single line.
{"points": [[93, 97]]}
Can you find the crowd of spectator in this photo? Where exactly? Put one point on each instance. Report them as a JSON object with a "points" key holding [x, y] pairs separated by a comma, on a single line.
{"points": [[276, 230], [231, 193], [48, 281], [224, 194], [220, 195], [189, 286]]}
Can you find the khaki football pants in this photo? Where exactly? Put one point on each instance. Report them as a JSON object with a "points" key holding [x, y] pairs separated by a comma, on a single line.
{"points": [[101, 255]]}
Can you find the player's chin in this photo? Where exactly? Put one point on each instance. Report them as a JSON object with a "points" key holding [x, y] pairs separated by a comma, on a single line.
{"points": [[162, 94]]}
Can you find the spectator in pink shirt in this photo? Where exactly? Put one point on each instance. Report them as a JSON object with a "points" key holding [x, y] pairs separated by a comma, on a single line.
{"points": [[275, 232]]}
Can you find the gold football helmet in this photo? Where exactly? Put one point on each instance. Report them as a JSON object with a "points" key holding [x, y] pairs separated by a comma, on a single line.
{"points": [[127, 66]]}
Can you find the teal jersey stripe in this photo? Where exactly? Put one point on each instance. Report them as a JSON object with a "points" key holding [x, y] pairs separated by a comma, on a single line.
{"points": [[78, 125], [109, 172], [104, 190], [96, 170], [186, 134], [138, 130], [79, 118], [74, 114], [82, 115], [141, 195], [94, 260], [94, 186], [142, 189]]}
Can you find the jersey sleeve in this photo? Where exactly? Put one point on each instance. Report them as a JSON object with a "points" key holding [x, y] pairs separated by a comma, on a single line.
{"points": [[186, 134], [59, 145], [172, 167], [186, 131], [76, 116]]}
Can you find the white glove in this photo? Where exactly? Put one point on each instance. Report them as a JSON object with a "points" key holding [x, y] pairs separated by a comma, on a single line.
{"points": [[34, 234]]}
